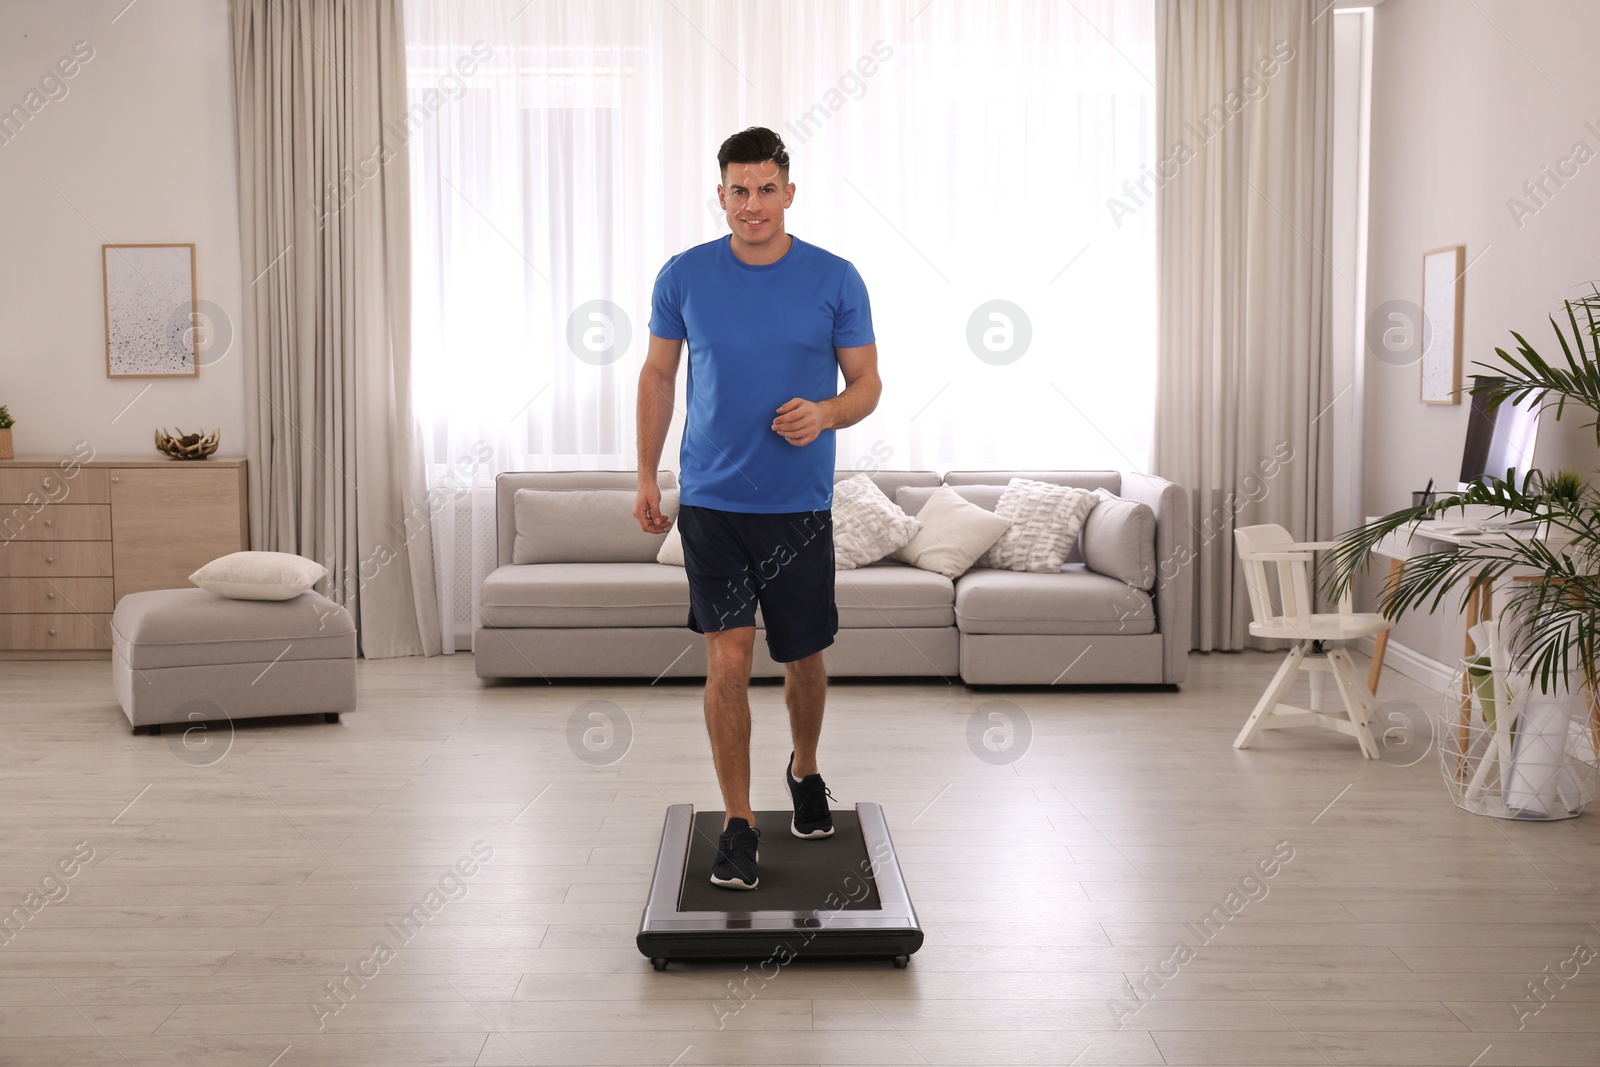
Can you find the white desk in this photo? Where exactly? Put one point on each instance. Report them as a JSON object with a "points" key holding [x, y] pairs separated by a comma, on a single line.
{"points": [[1423, 538], [1440, 536]]}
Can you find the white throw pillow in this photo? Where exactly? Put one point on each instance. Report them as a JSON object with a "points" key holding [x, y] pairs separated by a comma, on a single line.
{"points": [[867, 525], [671, 552], [1045, 522], [259, 575], [954, 534]]}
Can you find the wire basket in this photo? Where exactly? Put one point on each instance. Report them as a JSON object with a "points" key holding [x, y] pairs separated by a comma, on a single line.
{"points": [[1536, 763]]}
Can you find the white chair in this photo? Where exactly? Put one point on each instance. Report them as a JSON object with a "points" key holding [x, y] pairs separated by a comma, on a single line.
{"points": [[1290, 616]]}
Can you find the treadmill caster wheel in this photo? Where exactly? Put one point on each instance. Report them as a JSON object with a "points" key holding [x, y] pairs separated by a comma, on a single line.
{"points": [[659, 963], [900, 962], [330, 716]]}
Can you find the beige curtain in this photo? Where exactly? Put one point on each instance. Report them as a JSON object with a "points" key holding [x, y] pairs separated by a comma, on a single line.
{"points": [[1243, 219], [336, 470]]}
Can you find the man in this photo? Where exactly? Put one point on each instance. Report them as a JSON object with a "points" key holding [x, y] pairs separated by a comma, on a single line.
{"points": [[770, 321]]}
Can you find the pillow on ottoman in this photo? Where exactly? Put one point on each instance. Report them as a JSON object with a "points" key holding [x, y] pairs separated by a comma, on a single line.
{"points": [[1045, 521], [259, 575], [867, 525], [954, 534]]}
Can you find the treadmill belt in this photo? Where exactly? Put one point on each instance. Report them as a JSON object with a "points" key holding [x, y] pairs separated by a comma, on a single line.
{"points": [[827, 874]]}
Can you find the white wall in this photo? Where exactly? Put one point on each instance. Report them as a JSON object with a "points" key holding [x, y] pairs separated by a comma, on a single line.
{"points": [[140, 148], [1469, 101]]}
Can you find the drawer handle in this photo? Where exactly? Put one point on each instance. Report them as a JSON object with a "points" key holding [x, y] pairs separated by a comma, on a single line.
{"points": [[48, 522], [49, 596], [49, 559], [114, 481], [52, 631]]}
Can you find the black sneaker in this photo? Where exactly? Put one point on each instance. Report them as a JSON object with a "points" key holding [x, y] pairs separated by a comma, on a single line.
{"points": [[735, 866], [812, 818]]}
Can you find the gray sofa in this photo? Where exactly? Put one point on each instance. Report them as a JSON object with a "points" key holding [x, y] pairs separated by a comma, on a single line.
{"points": [[987, 627]]}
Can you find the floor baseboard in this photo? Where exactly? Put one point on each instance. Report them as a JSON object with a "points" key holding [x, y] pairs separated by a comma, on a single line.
{"points": [[1412, 664]]}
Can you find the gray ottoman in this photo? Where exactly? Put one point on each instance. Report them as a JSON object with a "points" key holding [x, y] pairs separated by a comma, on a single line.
{"points": [[186, 655]]}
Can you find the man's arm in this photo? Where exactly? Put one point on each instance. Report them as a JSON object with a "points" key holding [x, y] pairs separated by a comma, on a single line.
{"points": [[800, 421], [658, 382]]}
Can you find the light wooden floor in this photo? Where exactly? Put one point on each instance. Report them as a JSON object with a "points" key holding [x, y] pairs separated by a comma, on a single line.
{"points": [[226, 889]]}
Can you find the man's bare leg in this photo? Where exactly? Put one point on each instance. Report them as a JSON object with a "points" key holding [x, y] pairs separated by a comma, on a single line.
{"points": [[805, 690], [728, 654]]}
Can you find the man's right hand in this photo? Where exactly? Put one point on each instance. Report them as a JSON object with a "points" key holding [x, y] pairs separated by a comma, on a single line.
{"points": [[647, 509]]}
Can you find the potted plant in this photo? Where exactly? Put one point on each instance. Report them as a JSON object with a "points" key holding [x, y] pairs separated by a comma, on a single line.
{"points": [[1560, 605], [1551, 538], [6, 422]]}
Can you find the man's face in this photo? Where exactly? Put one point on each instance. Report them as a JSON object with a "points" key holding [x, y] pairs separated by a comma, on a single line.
{"points": [[754, 195]]}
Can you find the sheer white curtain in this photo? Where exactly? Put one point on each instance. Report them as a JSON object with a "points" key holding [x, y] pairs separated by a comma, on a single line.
{"points": [[988, 168]]}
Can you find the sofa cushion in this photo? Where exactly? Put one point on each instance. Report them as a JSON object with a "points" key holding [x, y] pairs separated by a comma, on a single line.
{"points": [[1045, 522], [506, 484], [584, 526], [671, 551], [1111, 481], [954, 534], [193, 627], [1073, 601], [561, 595], [1119, 540], [912, 498], [893, 594], [585, 594], [867, 525]]}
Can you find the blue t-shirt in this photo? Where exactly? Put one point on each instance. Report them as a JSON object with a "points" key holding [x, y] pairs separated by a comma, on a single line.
{"points": [[759, 336]]}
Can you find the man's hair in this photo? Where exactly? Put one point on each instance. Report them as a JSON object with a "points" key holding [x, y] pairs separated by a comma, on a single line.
{"points": [[756, 144]]}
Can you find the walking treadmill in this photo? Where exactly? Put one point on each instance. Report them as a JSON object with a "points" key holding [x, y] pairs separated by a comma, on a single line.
{"points": [[839, 897]]}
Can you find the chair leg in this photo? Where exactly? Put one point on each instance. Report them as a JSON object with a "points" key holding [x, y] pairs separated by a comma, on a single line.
{"points": [[1273, 696], [1358, 699]]}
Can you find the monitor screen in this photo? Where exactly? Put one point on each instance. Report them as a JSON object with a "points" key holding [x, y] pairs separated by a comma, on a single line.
{"points": [[1500, 440]]}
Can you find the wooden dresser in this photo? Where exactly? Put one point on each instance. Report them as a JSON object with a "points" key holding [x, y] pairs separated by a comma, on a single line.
{"points": [[77, 535]]}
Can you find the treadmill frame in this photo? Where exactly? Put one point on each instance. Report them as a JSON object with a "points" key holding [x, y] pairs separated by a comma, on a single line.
{"points": [[889, 932]]}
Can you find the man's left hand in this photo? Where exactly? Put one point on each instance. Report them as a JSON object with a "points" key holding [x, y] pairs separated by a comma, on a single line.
{"points": [[800, 421]]}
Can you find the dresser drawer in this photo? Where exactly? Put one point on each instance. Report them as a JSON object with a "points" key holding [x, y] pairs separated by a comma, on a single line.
{"points": [[46, 559], [19, 485], [38, 632], [90, 596], [56, 522]]}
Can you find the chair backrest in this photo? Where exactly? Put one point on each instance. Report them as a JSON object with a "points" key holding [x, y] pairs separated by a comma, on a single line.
{"points": [[1293, 600]]}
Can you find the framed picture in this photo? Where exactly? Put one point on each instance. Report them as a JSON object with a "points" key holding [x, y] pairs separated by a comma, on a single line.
{"points": [[1442, 286], [150, 300]]}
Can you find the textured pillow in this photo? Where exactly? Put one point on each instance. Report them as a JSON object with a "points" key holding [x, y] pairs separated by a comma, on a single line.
{"points": [[259, 575], [584, 526], [954, 534], [1119, 540], [867, 525], [1045, 521], [671, 548]]}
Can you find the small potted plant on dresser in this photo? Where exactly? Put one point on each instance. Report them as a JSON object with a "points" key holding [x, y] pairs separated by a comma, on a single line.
{"points": [[6, 422]]}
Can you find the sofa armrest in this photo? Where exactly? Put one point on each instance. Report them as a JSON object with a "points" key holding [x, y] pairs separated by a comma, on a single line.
{"points": [[1174, 591]]}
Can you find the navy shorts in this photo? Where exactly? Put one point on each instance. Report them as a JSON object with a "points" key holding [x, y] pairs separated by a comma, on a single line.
{"points": [[784, 562]]}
